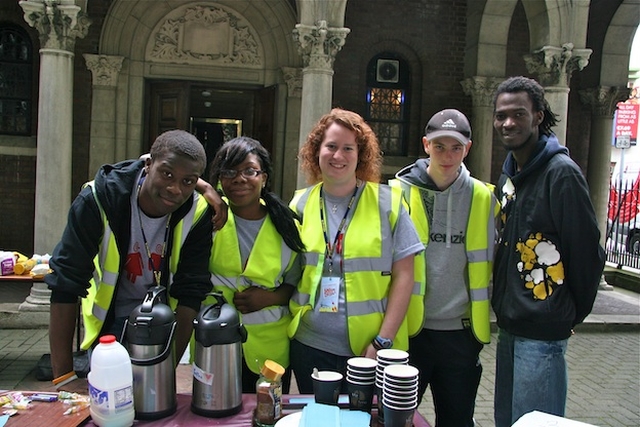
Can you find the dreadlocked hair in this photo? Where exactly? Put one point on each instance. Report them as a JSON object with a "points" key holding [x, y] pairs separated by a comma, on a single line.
{"points": [[536, 94]]}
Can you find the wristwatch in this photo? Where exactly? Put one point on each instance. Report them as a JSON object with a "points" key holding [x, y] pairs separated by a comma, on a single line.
{"points": [[380, 343]]}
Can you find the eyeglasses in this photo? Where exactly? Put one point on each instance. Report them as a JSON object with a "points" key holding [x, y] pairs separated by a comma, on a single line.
{"points": [[246, 173]]}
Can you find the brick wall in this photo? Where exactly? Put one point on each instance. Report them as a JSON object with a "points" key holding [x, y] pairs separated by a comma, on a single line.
{"points": [[17, 201], [429, 34]]}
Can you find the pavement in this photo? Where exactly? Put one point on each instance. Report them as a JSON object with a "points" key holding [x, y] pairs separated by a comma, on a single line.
{"points": [[603, 360]]}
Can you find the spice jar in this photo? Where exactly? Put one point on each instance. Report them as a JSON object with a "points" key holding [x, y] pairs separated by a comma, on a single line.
{"points": [[269, 395]]}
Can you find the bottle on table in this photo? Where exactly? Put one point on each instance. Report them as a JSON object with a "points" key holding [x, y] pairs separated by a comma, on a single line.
{"points": [[111, 384], [269, 395]]}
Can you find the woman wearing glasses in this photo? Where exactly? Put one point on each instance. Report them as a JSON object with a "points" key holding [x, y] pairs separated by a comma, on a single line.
{"points": [[360, 243], [255, 256]]}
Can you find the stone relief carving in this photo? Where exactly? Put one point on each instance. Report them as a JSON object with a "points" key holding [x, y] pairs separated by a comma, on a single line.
{"points": [[205, 33], [604, 99]]}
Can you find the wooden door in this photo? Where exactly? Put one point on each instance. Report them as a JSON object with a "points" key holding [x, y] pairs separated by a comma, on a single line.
{"points": [[263, 123], [168, 109]]}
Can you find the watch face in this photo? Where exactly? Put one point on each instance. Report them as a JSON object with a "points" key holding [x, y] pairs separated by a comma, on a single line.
{"points": [[384, 342]]}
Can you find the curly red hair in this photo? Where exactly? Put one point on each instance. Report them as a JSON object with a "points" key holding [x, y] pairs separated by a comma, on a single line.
{"points": [[369, 154]]}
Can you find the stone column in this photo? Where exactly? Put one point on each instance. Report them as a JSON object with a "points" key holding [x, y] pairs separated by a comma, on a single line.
{"points": [[58, 22], [554, 66], [105, 70], [603, 101], [318, 45], [293, 78], [481, 90]]}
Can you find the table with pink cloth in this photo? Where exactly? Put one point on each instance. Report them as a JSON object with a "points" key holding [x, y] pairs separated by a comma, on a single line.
{"points": [[184, 416]]}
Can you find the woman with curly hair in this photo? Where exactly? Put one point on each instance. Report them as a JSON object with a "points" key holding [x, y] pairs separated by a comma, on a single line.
{"points": [[360, 244]]}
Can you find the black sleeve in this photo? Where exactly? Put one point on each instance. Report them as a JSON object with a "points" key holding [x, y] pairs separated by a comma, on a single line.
{"points": [[582, 255], [72, 259], [192, 280]]}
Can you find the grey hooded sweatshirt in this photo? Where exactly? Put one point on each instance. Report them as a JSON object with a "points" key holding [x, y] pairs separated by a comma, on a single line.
{"points": [[447, 296]]}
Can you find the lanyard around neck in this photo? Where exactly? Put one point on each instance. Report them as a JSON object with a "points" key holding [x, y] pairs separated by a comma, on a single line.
{"points": [[157, 272], [325, 229]]}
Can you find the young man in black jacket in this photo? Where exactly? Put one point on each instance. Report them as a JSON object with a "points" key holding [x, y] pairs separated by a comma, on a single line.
{"points": [[549, 260], [138, 224]]}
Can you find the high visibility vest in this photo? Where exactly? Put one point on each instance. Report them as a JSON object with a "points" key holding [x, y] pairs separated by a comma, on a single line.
{"points": [[367, 262], [479, 245], [96, 304], [269, 260]]}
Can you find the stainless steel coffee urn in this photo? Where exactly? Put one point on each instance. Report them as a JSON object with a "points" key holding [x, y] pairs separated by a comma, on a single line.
{"points": [[148, 333], [217, 368]]}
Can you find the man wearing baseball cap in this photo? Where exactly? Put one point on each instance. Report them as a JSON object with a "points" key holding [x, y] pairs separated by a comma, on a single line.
{"points": [[455, 216]]}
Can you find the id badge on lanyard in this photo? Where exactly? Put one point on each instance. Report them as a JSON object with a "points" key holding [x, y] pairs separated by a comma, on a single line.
{"points": [[329, 293]]}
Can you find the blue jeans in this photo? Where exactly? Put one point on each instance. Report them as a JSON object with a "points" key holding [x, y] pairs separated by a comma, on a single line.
{"points": [[530, 375]]}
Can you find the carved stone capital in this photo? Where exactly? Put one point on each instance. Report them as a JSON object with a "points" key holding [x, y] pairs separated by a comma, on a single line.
{"points": [[603, 99], [104, 68], [319, 44], [554, 65], [481, 89], [58, 22], [293, 78]]}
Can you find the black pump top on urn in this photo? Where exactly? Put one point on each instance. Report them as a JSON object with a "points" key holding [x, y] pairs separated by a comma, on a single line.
{"points": [[151, 322], [218, 323]]}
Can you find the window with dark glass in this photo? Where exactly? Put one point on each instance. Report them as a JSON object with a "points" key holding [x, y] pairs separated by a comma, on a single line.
{"points": [[387, 93], [15, 81]]}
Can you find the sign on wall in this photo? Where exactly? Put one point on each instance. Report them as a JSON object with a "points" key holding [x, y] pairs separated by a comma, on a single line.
{"points": [[625, 131]]}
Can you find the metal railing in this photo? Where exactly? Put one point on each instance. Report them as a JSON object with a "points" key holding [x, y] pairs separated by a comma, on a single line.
{"points": [[623, 228]]}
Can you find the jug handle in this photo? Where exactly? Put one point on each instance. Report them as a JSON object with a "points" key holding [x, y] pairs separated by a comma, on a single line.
{"points": [[160, 357]]}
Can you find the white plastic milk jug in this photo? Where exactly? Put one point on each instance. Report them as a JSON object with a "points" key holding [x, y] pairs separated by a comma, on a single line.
{"points": [[111, 384]]}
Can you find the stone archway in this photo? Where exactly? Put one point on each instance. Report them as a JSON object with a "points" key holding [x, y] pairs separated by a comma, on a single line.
{"points": [[228, 43]]}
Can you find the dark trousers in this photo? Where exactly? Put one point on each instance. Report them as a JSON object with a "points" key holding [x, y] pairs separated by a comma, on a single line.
{"points": [[449, 363], [304, 359]]}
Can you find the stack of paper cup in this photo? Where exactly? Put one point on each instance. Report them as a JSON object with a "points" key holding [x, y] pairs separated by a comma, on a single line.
{"points": [[387, 357], [399, 395], [361, 370], [361, 377]]}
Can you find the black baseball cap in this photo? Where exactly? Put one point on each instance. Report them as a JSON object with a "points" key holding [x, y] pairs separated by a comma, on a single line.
{"points": [[451, 123]]}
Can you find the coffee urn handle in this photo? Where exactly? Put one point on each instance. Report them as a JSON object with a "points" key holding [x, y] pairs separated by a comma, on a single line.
{"points": [[153, 295]]}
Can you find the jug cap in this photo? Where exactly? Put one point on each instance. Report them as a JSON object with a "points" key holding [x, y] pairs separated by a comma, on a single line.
{"points": [[272, 370], [107, 339]]}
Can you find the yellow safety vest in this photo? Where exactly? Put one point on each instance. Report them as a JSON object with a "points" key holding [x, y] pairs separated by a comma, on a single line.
{"points": [[479, 246], [367, 262], [107, 268], [266, 266]]}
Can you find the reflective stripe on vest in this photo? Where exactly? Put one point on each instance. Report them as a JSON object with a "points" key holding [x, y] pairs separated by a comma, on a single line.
{"points": [[367, 261], [96, 304], [479, 243], [265, 267]]}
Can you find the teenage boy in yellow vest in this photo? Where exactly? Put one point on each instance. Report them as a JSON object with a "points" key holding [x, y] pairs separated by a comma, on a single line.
{"points": [[455, 216], [143, 225]]}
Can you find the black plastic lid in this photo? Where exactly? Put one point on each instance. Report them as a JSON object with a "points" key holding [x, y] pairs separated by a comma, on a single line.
{"points": [[150, 323], [218, 323]]}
